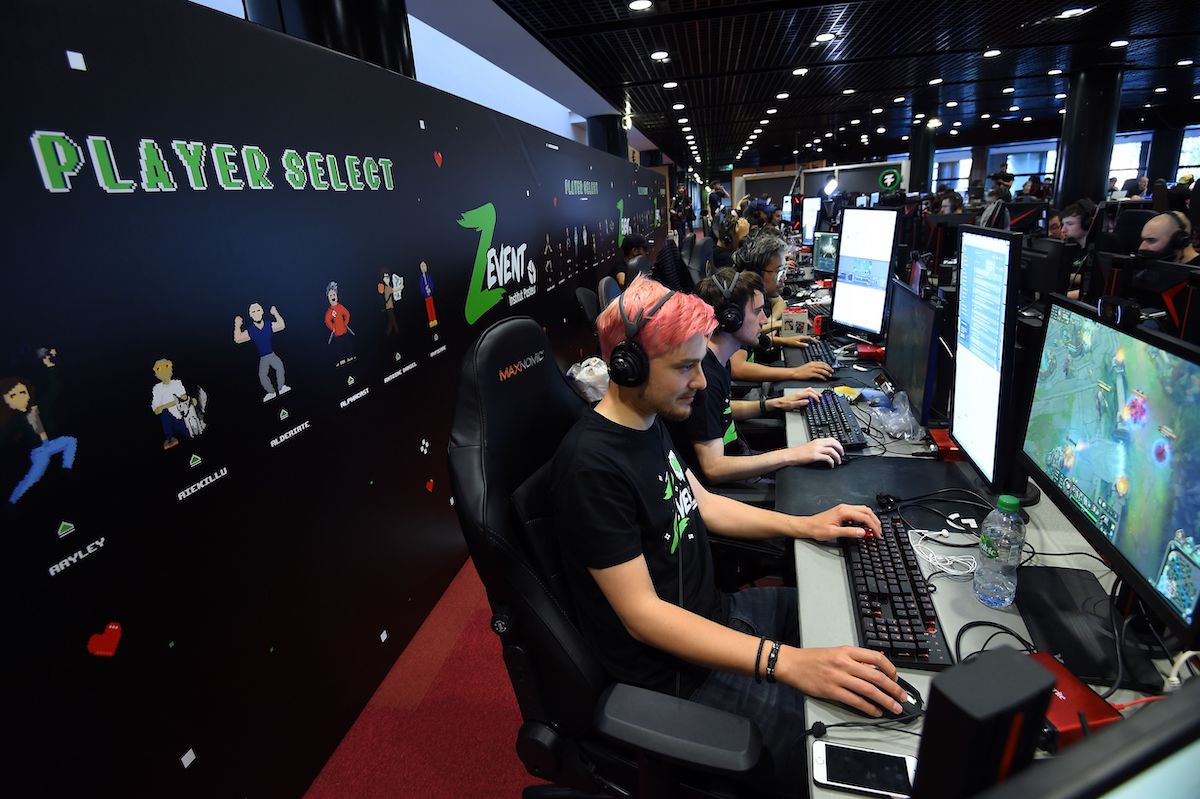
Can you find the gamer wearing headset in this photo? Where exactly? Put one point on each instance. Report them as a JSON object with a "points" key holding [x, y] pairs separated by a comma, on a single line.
{"points": [[1168, 237], [708, 439], [632, 525]]}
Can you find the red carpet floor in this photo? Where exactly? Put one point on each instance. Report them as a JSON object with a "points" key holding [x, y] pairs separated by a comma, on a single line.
{"points": [[444, 720]]}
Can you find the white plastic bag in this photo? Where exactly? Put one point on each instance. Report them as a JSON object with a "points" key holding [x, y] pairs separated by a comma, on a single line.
{"points": [[589, 379]]}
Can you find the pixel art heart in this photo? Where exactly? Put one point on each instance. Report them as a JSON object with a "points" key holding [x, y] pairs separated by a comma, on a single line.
{"points": [[429, 485], [555, 201], [437, 158], [105, 644]]}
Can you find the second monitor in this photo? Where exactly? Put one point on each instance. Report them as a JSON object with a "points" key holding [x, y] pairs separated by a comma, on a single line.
{"points": [[864, 265]]}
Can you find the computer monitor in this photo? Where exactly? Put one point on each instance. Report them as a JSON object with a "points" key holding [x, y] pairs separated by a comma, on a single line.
{"points": [[912, 342], [864, 264], [982, 423], [809, 210], [1109, 439], [1047, 265], [825, 248], [785, 208]]}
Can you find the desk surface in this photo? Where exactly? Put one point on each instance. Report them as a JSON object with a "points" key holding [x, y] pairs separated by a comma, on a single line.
{"points": [[825, 601]]}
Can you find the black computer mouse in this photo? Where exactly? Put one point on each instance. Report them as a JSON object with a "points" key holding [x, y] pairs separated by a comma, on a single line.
{"points": [[911, 710]]}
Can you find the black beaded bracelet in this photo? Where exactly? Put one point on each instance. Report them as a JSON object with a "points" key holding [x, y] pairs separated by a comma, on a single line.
{"points": [[758, 659], [771, 660]]}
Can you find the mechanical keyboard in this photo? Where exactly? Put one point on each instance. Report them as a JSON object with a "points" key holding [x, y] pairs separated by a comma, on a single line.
{"points": [[820, 351], [831, 417], [819, 309], [893, 607]]}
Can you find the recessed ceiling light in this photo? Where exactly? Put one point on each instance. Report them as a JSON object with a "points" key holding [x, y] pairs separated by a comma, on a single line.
{"points": [[640, 5], [1187, 62], [957, 124], [660, 55], [1071, 13], [953, 132], [687, 129], [800, 71], [934, 123], [952, 104], [825, 37], [985, 116], [918, 116], [690, 136], [1196, 96], [935, 81], [816, 141], [843, 127], [683, 120], [782, 96], [847, 91], [1027, 119], [820, 149], [1007, 90], [881, 130], [808, 144], [904, 137], [1062, 110], [855, 121], [758, 130], [795, 152], [753, 136], [677, 107], [772, 110], [1060, 96], [995, 125], [876, 110], [990, 53], [897, 99], [1161, 90], [829, 135], [764, 122], [1147, 105], [1054, 72], [1119, 43], [670, 84]]}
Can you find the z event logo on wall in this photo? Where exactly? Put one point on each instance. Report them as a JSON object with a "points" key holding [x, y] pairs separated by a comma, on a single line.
{"points": [[497, 271]]}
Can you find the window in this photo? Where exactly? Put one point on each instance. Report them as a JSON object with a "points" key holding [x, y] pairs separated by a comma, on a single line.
{"points": [[1189, 154], [1024, 160], [953, 168], [1130, 156]]}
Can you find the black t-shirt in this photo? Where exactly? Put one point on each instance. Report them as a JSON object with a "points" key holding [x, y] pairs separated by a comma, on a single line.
{"points": [[620, 493], [712, 416], [715, 197]]}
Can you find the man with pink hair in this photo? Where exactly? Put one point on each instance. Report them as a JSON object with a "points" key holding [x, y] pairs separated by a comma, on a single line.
{"points": [[632, 523]]}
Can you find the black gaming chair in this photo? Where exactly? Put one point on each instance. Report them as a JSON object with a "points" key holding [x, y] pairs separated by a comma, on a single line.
{"points": [[580, 731], [589, 303], [608, 290], [700, 260], [1127, 230], [686, 246]]}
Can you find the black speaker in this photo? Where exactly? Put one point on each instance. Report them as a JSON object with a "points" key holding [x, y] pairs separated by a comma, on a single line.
{"points": [[982, 722]]}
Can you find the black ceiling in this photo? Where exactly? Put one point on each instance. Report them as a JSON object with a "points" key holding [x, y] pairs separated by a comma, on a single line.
{"points": [[731, 60]]}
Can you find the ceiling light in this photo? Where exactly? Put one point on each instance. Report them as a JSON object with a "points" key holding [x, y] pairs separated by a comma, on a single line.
{"points": [[753, 136], [995, 125], [1054, 72], [1119, 43], [782, 96], [640, 5], [683, 120], [772, 110], [687, 129], [677, 107], [1196, 96], [758, 130], [1007, 90], [800, 71], [829, 135], [843, 127], [808, 144], [957, 125], [1062, 110], [985, 116], [953, 132], [918, 116], [934, 123], [764, 122], [1071, 13], [855, 121], [847, 91], [897, 99], [660, 55], [990, 53], [1187, 62], [670, 84], [904, 137], [1161, 90], [1147, 105], [690, 136], [820, 149], [795, 152], [935, 81], [1060, 96], [816, 141], [952, 104], [825, 37], [1027, 119]]}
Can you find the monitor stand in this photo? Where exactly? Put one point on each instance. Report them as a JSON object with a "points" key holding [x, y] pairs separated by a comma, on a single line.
{"points": [[1067, 614]]}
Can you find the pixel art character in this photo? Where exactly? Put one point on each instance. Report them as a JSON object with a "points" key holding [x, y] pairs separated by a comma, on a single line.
{"points": [[427, 291], [24, 422], [181, 416], [261, 333], [391, 286], [337, 319]]}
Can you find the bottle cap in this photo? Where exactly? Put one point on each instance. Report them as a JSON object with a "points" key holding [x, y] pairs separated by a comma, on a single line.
{"points": [[1008, 503]]}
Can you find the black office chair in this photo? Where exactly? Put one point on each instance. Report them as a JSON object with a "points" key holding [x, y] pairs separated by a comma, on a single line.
{"points": [[589, 303], [637, 266], [670, 269], [1127, 230], [608, 290], [700, 261], [686, 246], [580, 731]]}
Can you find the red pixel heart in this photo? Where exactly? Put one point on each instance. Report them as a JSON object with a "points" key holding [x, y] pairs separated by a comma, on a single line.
{"points": [[555, 201], [429, 485], [437, 158], [105, 644]]}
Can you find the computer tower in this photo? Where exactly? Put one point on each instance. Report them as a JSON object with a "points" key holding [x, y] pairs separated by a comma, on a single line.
{"points": [[983, 719]]}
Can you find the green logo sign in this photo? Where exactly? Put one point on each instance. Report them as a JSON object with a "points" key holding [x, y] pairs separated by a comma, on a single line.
{"points": [[889, 179], [494, 269]]}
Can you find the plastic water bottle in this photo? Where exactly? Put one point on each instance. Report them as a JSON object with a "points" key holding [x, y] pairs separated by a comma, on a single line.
{"points": [[999, 555]]}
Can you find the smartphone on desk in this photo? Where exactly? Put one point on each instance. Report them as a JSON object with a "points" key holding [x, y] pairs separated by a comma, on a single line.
{"points": [[865, 771]]}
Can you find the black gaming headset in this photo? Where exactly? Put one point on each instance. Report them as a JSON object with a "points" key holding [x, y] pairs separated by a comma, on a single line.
{"points": [[1182, 237], [627, 364], [730, 315]]}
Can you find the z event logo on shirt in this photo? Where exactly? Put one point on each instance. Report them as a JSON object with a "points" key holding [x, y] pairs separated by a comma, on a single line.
{"points": [[680, 493]]}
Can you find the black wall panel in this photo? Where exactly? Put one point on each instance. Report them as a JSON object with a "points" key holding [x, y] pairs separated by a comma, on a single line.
{"points": [[208, 619]]}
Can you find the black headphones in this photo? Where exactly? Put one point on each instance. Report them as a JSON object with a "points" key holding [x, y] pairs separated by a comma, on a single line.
{"points": [[1181, 238], [627, 364], [730, 315]]}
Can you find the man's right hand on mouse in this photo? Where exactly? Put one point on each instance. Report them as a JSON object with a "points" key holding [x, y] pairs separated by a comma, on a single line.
{"points": [[813, 370], [860, 678]]}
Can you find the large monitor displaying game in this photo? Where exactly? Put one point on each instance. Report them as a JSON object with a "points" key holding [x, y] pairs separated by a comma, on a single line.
{"points": [[911, 355], [1108, 437], [984, 360], [809, 211], [825, 249], [864, 263]]}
